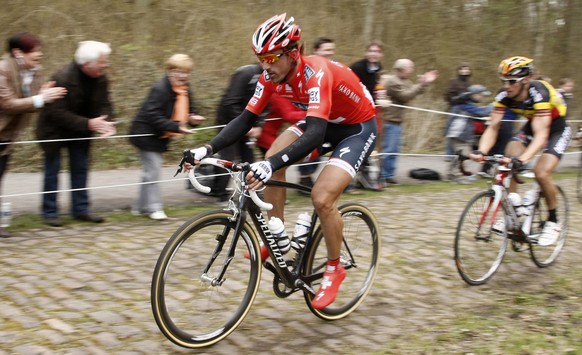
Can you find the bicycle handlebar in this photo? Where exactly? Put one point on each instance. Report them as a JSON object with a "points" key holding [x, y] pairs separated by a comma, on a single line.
{"points": [[230, 166], [496, 159]]}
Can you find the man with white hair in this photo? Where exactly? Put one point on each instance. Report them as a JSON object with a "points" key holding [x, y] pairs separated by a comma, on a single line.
{"points": [[401, 90], [85, 110]]}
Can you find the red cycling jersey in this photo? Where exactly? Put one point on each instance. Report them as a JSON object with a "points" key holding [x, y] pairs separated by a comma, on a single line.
{"points": [[324, 88]]}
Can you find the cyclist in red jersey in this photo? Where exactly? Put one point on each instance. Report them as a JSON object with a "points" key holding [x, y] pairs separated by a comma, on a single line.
{"points": [[340, 118], [546, 130]]}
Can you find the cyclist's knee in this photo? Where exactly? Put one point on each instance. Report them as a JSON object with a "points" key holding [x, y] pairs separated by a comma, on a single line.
{"points": [[322, 201], [542, 174]]}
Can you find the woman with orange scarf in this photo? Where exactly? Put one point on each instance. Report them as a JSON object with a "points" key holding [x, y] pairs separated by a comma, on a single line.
{"points": [[166, 112]]}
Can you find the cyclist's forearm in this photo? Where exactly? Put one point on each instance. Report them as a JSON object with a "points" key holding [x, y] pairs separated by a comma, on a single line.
{"points": [[487, 140], [533, 148], [312, 138], [234, 130]]}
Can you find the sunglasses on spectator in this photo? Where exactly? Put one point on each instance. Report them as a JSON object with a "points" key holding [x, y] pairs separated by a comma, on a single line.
{"points": [[511, 81], [271, 58]]}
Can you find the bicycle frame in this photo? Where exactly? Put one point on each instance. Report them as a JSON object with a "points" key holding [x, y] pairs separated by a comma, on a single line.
{"points": [[502, 180], [291, 278], [249, 204]]}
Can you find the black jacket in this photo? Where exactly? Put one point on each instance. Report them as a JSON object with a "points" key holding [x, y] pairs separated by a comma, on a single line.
{"points": [[69, 117], [154, 117], [238, 93], [368, 77]]}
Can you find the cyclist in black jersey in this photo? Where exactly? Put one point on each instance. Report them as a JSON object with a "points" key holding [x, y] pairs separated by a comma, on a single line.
{"points": [[546, 130]]}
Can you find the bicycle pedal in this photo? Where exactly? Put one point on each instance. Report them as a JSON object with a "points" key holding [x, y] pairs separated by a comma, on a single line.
{"points": [[519, 246], [533, 239]]}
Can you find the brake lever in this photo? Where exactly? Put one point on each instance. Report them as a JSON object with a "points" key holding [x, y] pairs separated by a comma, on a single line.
{"points": [[180, 166]]}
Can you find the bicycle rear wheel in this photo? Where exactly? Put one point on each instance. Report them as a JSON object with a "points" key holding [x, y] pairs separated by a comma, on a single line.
{"points": [[545, 256], [479, 250], [194, 308], [359, 255]]}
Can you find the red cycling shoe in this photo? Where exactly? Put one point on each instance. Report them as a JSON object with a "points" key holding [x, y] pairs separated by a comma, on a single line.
{"points": [[332, 279]]}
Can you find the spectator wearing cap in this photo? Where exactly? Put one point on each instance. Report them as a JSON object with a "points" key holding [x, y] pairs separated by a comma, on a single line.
{"points": [[456, 86], [462, 129]]}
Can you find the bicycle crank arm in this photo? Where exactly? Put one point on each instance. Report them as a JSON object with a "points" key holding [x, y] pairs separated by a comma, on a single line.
{"points": [[302, 285]]}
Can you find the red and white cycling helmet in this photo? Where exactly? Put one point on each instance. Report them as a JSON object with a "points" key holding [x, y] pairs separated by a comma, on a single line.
{"points": [[275, 33]]}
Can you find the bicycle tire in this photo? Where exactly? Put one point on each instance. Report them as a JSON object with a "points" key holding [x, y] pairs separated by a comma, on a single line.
{"points": [[360, 255], [479, 250], [191, 311], [545, 256]]}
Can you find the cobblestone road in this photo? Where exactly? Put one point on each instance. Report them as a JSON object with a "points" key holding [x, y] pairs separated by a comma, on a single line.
{"points": [[85, 289]]}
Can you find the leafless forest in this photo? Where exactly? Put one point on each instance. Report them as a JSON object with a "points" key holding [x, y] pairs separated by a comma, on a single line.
{"points": [[435, 34]]}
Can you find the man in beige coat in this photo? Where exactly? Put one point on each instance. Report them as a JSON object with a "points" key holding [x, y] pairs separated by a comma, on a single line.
{"points": [[401, 90]]}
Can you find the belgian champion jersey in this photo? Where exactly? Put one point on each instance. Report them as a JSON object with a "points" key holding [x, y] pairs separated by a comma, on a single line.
{"points": [[542, 98]]}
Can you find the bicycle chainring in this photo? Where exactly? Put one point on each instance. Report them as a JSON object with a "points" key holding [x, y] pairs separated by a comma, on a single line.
{"points": [[280, 289]]}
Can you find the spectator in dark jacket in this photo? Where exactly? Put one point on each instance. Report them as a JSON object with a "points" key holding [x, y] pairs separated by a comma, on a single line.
{"points": [[368, 69], [233, 102], [166, 112], [67, 123], [459, 84]]}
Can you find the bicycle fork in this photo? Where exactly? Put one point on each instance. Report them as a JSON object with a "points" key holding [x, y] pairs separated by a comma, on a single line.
{"points": [[221, 240]]}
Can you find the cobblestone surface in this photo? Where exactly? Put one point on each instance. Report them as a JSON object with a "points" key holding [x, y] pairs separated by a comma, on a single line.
{"points": [[85, 289]]}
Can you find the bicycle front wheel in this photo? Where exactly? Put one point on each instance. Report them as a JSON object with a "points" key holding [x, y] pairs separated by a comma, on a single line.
{"points": [[479, 247], [200, 293], [359, 255], [544, 256]]}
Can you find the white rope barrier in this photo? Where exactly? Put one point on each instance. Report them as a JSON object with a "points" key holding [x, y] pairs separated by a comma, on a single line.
{"points": [[194, 130]]}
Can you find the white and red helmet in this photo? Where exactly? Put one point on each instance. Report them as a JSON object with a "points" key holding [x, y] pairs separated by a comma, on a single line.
{"points": [[275, 33]]}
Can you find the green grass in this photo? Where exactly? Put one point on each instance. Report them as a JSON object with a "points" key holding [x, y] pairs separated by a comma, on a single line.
{"points": [[31, 221]]}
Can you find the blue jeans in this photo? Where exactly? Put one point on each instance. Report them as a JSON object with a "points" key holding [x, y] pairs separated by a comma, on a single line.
{"points": [[390, 147], [79, 168]]}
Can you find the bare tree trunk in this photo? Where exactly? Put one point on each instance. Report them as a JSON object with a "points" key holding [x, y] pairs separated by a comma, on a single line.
{"points": [[540, 11], [143, 26], [369, 20]]}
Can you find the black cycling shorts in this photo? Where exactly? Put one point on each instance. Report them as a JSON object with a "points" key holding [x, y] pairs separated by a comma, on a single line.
{"points": [[351, 144], [557, 143]]}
